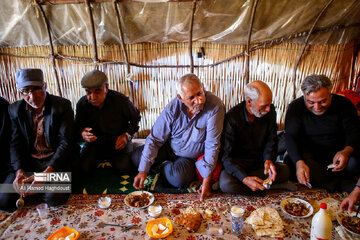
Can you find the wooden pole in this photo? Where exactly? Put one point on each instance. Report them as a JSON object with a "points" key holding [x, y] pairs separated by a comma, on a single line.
{"points": [[121, 35], [190, 37], [247, 77], [93, 34], [52, 54]]}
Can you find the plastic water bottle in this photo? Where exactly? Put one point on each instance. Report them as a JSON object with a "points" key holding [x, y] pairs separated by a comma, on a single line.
{"points": [[321, 224]]}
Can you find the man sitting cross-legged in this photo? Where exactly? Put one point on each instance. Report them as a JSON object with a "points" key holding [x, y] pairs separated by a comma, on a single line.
{"points": [[250, 143]]}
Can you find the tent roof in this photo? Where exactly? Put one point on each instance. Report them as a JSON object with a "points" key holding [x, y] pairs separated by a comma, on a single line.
{"points": [[225, 21]]}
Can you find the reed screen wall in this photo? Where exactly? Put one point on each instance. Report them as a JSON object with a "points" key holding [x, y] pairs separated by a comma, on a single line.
{"points": [[151, 88]]}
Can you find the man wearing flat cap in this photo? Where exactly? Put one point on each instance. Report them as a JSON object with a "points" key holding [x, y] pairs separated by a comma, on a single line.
{"points": [[106, 121], [42, 136]]}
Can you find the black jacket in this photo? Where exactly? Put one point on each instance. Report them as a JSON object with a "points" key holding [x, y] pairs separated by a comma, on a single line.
{"points": [[59, 130], [244, 140], [4, 138], [117, 116], [321, 135]]}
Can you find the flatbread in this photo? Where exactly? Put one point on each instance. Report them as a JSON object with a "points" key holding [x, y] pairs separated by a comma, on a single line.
{"points": [[266, 221]]}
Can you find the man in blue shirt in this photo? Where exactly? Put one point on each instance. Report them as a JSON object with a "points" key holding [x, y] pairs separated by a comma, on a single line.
{"points": [[190, 126]]}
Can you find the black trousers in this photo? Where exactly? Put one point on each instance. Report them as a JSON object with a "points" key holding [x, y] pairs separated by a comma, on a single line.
{"points": [[94, 153], [344, 180], [230, 184]]}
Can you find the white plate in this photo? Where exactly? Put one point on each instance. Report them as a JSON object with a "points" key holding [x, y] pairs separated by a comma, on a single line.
{"points": [[340, 217], [151, 198], [296, 200]]}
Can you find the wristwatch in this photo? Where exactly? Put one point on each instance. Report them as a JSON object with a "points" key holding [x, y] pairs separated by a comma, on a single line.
{"points": [[128, 137]]}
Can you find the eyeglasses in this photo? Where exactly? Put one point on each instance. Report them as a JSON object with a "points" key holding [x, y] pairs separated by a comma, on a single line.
{"points": [[26, 91]]}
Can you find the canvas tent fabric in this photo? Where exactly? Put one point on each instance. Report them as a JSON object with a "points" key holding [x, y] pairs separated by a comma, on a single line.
{"points": [[225, 21]]}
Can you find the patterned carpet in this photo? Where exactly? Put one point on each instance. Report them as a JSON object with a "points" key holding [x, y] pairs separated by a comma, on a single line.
{"points": [[82, 214]]}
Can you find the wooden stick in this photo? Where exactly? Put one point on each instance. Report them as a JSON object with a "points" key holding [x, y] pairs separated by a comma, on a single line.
{"points": [[190, 37], [305, 45], [52, 55], [247, 77], [121, 35], [93, 34]]}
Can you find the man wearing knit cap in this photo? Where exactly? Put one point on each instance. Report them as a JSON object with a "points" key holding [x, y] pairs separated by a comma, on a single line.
{"points": [[106, 121], [42, 136]]}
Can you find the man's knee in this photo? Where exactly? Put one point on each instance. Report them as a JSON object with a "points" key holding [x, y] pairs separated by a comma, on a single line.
{"points": [[179, 173], [353, 166], [136, 155], [8, 200], [228, 183], [56, 199], [224, 181], [122, 162], [283, 172], [88, 158]]}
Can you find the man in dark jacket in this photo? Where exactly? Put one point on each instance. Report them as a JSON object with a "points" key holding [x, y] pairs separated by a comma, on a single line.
{"points": [[250, 143], [322, 129], [42, 136], [6, 173], [4, 139], [106, 121]]}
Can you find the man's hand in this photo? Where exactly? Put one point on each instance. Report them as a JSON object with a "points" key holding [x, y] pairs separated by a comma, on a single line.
{"points": [[341, 158], [205, 188], [349, 202], [121, 141], [87, 135], [19, 177], [33, 182], [270, 169], [302, 172], [139, 180], [254, 183]]}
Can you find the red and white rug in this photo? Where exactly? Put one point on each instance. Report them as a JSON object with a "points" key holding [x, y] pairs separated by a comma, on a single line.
{"points": [[82, 214]]}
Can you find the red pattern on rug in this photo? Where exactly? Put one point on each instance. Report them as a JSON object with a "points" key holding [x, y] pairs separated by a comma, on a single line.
{"points": [[81, 213]]}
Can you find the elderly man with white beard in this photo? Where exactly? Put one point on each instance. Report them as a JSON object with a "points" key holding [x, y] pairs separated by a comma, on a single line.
{"points": [[249, 143]]}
